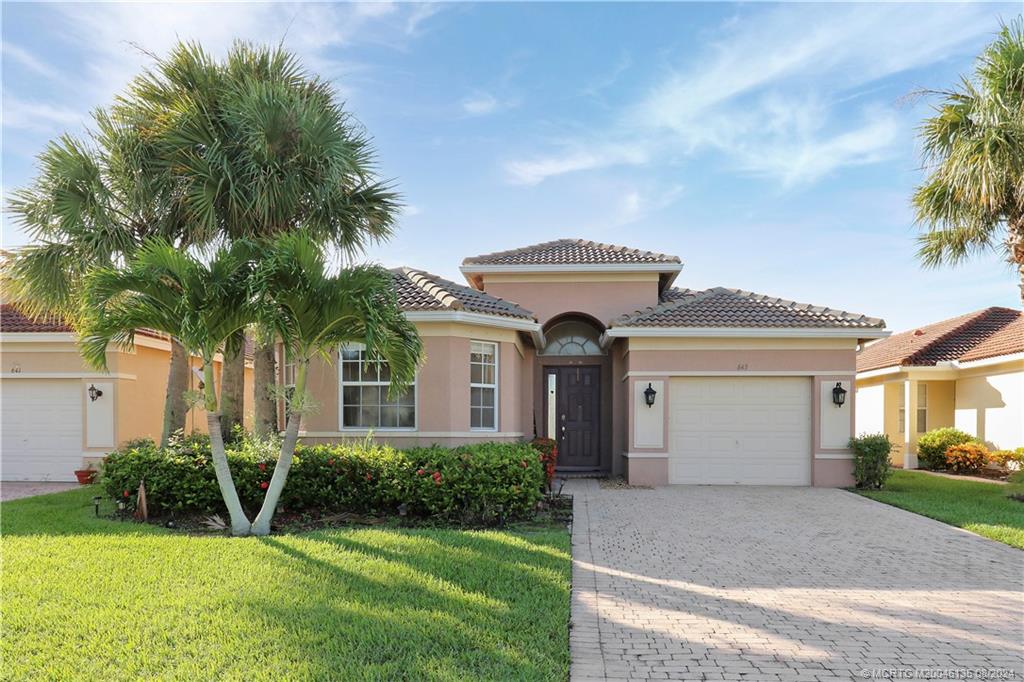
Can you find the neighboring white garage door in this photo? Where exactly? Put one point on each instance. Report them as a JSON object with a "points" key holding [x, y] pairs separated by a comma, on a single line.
{"points": [[740, 430], [42, 429]]}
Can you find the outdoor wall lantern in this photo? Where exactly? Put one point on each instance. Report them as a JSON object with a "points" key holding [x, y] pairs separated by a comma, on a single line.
{"points": [[649, 395], [839, 394], [94, 393]]}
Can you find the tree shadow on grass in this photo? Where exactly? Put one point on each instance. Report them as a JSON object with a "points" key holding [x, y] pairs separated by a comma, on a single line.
{"points": [[415, 605]]}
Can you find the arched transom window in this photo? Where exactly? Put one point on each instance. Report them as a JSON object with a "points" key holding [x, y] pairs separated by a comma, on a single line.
{"points": [[572, 338]]}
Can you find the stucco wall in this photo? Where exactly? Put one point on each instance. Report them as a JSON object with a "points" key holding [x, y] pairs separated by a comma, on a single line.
{"points": [[991, 407], [825, 361], [134, 387], [870, 409], [603, 298], [442, 391]]}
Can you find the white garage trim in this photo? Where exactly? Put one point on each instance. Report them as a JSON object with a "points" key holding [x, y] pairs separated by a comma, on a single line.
{"points": [[741, 373], [42, 430], [740, 430], [65, 375]]}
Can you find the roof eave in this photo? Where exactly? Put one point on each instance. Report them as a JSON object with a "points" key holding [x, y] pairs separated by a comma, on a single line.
{"points": [[766, 332], [470, 269]]}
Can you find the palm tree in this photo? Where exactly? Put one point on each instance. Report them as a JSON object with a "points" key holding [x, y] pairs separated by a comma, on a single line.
{"points": [[286, 287], [203, 304], [92, 205], [260, 147], [313, 313], [973, 197]]}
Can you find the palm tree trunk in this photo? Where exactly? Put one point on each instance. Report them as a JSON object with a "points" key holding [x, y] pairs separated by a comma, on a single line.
{"points": [[261, 526], [264, 380], [232, 388], [239, 522], [1015, 242], [175, 406]]}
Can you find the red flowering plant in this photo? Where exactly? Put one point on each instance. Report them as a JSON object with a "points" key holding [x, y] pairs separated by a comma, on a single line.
{"points": [[547, 450]]}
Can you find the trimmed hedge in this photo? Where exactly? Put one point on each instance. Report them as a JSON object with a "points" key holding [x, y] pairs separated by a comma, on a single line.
{"points": [[871, 466], [472, 483], [932, 446]]}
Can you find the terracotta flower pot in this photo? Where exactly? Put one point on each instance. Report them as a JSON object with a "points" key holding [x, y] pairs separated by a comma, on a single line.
{"points": [[85, 476]]}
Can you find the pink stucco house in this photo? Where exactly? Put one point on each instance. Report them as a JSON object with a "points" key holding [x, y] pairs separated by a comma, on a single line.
{"points": [[591, 344]]}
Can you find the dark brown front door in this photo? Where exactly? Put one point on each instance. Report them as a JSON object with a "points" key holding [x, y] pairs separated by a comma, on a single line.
{"points": [[577, 415]]}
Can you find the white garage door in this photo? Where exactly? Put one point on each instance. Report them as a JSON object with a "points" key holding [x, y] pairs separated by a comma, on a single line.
{"points": [[42, 429], [740, 430]]}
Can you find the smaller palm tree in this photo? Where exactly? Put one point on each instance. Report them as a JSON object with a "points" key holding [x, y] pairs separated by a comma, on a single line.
{"points": [[284, 287], [973, 198], [203, 304], [314, 312]]}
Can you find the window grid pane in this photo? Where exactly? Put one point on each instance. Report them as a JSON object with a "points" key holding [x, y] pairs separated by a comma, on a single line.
{"points": [[483, 382], [365, 399]]}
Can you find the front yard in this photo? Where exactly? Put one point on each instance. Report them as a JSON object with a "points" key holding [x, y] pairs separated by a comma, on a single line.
{"points": [[982, 508], [87, 598]]}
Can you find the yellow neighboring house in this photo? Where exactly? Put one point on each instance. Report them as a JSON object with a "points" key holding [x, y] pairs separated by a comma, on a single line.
{"points": [[966, 372], [59, 414]]}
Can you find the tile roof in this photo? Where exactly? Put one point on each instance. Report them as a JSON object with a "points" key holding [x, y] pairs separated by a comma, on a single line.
{"points": [[13, 320], [721, 307], [419, 290], [975, 336], [572, 252]]}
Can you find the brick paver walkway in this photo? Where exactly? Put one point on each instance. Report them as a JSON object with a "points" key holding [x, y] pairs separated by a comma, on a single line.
{"points": [[739, 583]]}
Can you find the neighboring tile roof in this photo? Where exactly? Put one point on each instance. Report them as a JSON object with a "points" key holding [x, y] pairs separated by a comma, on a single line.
{"points": [[13, 320], [419, 290], [982, 334], [572, 252], [721, 307]]}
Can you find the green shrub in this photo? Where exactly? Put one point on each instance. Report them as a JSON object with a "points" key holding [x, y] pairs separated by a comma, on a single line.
{"points": [[1008, 459], [472, 483], [968, 458], [871, 465], [1015, 486], [932, 446]]}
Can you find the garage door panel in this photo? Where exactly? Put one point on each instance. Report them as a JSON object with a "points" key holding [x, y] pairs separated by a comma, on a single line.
{"points": [[41, 429], [743, 430]]}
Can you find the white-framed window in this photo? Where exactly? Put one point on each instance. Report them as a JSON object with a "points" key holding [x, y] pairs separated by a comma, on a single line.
{"points": [[288, 374], [483, 386], [901, 412], [365, 403], [922, 408]]}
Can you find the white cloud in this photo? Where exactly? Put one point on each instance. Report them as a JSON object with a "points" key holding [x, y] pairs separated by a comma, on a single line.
{"points": [[109, 33], [636, 204], [480, 103], [29, 61], [38, 116], [587, 157], [764, 93]]}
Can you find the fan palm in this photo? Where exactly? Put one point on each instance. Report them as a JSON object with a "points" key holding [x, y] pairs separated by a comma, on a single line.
{"points": [[313, 313], [973, 197], [203, 304], [259, 147], [93, 205]]}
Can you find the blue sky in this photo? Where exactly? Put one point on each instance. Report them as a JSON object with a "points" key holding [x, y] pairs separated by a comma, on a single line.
{"points": [[770, 146]]}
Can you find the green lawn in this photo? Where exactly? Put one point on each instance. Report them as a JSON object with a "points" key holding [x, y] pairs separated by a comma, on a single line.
{"points": [[982, 508], [87, 598]]}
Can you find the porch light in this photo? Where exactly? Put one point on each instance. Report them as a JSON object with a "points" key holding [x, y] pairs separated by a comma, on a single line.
{"points": [[839, 394], [94, 393], [649, 395]]}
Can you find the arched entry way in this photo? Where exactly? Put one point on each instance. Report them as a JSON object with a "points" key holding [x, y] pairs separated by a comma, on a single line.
{"points": [[575, 373]]}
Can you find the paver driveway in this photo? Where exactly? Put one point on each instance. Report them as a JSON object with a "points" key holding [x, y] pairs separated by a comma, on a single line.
{"points": [[702, 582]]}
